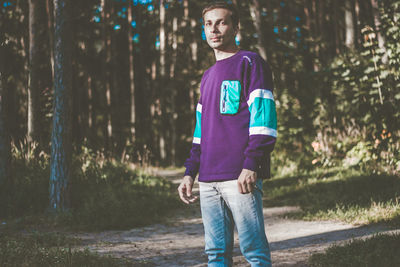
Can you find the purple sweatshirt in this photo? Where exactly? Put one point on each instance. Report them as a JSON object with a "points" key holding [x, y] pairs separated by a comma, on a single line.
{"points": [[235, 120]]}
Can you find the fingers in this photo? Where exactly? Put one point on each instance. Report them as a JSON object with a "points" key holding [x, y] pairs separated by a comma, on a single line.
{"points": [[188, 191], [240, 187], [245, 186], [182, 191], [250, 187], [185, 191], [246, 181]]}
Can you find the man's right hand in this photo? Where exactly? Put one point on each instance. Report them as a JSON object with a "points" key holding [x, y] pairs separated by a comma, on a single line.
{"points": [[185, 190]]}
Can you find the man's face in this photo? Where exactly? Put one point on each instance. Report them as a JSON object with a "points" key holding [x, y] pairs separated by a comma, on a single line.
{"points": [[220, 33]]}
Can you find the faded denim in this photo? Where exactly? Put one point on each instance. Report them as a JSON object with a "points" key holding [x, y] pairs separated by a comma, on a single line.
{"points": [[223, 207]]}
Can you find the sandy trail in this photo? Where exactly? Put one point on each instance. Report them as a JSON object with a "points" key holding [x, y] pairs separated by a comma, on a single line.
{"points": [[180, 242]]}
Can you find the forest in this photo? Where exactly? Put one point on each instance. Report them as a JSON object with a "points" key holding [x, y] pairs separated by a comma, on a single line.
{"points": [[98, 88]]}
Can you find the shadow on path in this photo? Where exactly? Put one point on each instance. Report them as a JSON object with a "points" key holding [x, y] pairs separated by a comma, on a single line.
{"points": [[180, 241]]}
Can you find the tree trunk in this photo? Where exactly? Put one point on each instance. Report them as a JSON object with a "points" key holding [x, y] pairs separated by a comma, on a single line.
{"points": [[131, 74], [39, 69], [239, 34], [61, 148], [308, 37], [191, 24], [162, 38], [336, 26], [349, 22], [106, 73], [255, 12], [50, 29], [5, 153], [172, 119], [315, 34], [377, 22], [357, 24], [162, 94]]}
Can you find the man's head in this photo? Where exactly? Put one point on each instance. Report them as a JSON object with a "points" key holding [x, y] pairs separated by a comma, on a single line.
{"points": [[221, 25], [233, 11]]}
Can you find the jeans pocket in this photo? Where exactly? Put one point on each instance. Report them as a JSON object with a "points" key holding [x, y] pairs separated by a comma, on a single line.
{"points": [[258, 186], [230, 97]]}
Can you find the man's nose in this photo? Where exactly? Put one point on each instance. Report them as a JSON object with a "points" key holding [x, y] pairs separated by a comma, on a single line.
{"points": [[214, 28]]}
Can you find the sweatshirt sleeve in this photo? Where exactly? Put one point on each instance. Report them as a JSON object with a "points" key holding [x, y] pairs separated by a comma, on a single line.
{"points": [[192, 164], [263, 121]]}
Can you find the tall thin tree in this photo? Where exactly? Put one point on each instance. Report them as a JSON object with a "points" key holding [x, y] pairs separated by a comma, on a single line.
{"points": [[163, 41], [131, 72], [39, 68], [61, 147], [5, 154], [378, 23], [255, 12], [106, 11], [349, 21]]}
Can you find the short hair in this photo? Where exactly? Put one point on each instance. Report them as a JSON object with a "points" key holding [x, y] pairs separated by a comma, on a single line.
{"points": [[231, 7]]}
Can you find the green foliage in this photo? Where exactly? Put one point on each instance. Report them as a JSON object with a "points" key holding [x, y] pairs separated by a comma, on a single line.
{"points": [[355, 122], [380, 250], [338, 194], [50, 250], [324, 92], [27, 193], [344, 109], [103, 194], [108, 194]]}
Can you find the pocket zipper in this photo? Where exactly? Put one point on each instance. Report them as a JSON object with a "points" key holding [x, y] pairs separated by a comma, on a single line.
{"points": [[225, 90]]}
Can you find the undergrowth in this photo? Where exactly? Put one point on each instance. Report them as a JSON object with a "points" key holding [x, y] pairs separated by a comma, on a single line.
{"points": [[338, 194], [51, 249], [380, 250], [104, 194]]}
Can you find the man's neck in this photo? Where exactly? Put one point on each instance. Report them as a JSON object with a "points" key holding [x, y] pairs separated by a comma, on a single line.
{"points": [[220, 55]]}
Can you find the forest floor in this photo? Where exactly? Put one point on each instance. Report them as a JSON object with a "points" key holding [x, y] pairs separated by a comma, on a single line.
{"points": [[179, 240]]}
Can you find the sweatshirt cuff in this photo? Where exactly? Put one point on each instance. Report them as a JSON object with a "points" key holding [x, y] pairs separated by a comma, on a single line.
{"points": [[250, 164], [190, 173]]}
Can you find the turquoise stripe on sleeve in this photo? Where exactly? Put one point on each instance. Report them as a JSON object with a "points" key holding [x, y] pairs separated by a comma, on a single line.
{"points": [[197, 131], [263, 113]]}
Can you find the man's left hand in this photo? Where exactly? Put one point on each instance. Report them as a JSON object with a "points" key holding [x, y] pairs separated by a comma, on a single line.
{"points": [[247, 181]]}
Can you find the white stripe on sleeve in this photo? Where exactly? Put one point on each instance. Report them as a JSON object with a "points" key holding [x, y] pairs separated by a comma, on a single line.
{"points": [[199, 107], [196, 140], [262, 93], [263, 131]]}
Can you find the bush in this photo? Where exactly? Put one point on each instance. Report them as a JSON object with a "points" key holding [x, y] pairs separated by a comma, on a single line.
{"points": [[104, 194], [119, 198]]}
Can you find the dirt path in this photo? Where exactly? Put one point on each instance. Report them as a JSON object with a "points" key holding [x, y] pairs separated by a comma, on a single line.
{"points": [[179, 241]]}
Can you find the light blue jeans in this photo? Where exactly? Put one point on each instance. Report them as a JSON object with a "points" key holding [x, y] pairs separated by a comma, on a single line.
{"points": [[222, 207]]}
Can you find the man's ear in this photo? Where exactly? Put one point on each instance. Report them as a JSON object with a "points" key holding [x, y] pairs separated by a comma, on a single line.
{"points": [[237, 30]]}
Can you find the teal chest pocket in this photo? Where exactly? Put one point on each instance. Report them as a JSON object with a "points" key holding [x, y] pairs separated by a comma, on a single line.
{"points": [[230, 97]]}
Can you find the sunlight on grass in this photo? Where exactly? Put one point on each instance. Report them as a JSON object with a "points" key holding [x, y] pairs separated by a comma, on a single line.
{"points": [[380, 250], [338, 194], [377, 212]]}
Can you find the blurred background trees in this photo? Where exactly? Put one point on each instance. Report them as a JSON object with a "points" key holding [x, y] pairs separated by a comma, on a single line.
{"points": [[137, 65]]}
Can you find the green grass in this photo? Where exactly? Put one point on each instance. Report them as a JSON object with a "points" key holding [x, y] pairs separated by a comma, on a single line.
{"points": [[50, 249], [338, 194], [120, 199], [380, 250], [104, 195]]}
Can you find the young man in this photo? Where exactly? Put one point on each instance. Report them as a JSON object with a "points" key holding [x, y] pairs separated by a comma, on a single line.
{"points": [[234, 136]]}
